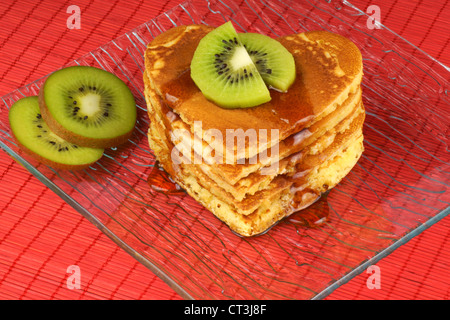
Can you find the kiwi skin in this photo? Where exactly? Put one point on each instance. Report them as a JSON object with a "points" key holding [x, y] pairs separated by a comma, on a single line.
{"points": [[76, 138]]}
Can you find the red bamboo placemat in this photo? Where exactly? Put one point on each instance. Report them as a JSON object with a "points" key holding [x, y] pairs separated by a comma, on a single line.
{"points": [[41, 236]]}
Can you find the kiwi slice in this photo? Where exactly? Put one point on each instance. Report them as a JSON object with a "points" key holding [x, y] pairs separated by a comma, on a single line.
{"points": [[274, 62], [224, 72], [35, 138], [88, 106]]}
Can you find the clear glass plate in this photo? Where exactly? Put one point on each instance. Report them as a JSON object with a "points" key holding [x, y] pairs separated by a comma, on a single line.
{"points": [[398, 188]]}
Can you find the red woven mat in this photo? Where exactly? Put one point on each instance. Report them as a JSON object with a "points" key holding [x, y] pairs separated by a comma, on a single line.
{"points": [[41, 236]]}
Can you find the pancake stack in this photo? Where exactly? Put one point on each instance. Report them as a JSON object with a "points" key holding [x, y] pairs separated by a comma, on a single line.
{"points": [[252, 167]]}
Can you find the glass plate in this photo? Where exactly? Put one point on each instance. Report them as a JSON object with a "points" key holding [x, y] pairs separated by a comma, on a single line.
{"points": [[398, 188]]}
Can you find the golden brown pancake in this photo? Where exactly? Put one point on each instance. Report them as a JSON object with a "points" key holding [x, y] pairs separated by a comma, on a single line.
{"points": [[319, 124]]}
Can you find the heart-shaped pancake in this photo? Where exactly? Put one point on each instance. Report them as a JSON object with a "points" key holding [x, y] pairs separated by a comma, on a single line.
{"points": [[312, 132]]}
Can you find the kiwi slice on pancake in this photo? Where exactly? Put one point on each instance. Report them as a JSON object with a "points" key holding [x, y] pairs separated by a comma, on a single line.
{"points": [[225, 73], [273, 61], [88, 106], [35, 138]]}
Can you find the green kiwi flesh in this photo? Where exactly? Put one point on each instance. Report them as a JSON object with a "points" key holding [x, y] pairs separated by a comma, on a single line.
{"points": [[224, 72], [88, 106], [35, 138], [274, 62]]}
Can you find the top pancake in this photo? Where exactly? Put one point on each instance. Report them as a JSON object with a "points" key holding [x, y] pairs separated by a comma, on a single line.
{"points": [[329, 68]]}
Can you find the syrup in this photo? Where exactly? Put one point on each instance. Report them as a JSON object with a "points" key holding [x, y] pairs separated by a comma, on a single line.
{"points": [[314, 216], [181, 95], [160, 181]]}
